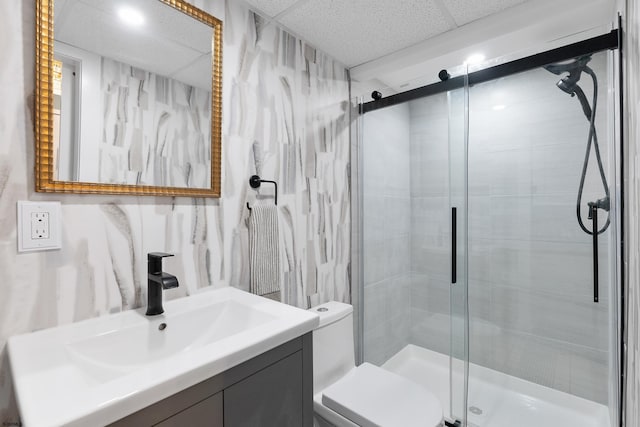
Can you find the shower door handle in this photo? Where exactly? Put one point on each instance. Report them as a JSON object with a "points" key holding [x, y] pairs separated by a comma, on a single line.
{"points": [[593, 213], [454, 246]]}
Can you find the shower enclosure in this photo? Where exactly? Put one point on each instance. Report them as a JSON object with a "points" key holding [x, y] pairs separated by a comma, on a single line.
{"points": [[481, 278]]}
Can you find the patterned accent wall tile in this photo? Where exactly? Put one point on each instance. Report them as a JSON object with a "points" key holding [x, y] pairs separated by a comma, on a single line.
{"points": [[285, 116], [155, 130], [292, 126]]}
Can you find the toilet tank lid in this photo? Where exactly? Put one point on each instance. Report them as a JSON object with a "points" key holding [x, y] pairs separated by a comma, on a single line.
{"points": [[331, 312]]}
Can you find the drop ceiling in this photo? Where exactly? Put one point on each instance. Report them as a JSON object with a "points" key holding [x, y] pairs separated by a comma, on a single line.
{"points": [[358, 31], [398, 45]]}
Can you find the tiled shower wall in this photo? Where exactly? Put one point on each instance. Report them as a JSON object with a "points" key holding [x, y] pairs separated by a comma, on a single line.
{"points": [[285, 115], [430, 237], [386, 232], [632, 221], [530, 287], [530, 284], [530, 261]]}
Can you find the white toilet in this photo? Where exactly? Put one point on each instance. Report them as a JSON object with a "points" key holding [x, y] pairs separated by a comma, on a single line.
{"points": [[367, 396]]}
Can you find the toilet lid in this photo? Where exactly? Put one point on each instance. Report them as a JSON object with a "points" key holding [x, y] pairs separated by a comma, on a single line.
{"points": [[373, 397]]}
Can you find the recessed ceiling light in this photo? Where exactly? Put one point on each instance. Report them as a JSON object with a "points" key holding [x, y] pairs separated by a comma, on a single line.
{"points": [[499, 107], [476, 58], [131, 16]]}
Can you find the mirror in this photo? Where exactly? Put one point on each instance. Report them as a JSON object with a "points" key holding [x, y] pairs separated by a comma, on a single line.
{"points": [[128, 98]]}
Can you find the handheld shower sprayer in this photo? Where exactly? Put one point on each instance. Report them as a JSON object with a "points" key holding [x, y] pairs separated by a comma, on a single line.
{"points": [[569, 84], [575, 68]]}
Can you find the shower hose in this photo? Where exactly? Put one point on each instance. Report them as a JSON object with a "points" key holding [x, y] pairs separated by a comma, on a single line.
{"points": [[590, 114]]}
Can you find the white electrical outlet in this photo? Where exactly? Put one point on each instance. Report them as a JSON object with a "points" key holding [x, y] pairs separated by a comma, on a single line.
{"points": [[38, 226]]}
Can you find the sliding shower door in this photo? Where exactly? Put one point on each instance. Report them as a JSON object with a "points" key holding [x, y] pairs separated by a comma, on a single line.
{"points": [[413, 316], [482, 278], [458, 137], [540, 302]]}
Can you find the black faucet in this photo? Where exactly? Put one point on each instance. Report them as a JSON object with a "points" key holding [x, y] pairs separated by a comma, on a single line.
{"points": [[157, 281]]}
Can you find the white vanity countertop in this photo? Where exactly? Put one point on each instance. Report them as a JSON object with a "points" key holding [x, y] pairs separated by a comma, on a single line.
{"points": [[99, 370]]}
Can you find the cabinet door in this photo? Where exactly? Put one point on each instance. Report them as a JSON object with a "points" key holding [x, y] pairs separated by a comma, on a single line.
{"points": [[207, 413], [270, 397]]}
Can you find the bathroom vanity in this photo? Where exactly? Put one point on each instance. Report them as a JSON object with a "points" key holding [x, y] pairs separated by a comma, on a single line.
{"points": [[275, 388], [218, 358]]}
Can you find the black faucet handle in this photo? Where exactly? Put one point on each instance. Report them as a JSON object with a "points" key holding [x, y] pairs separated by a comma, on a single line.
{"points": [[154, 262], [155, 255]]}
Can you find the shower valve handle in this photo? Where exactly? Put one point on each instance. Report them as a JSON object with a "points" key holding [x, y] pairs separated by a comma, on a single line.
{"points": [[593, 216]]}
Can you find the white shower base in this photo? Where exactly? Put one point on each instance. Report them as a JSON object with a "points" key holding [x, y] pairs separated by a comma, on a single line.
{"points": [[505, 401]]}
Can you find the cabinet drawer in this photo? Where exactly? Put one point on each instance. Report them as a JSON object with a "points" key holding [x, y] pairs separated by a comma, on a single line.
{"points": [[207, 413], [270, 397]]}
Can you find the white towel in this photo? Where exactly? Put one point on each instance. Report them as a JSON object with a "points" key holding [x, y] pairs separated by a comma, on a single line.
{"points": [[264, 261]]}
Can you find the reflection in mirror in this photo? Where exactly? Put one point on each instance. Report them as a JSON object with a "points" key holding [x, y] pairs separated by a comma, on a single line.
{"points": [[134, 83]]}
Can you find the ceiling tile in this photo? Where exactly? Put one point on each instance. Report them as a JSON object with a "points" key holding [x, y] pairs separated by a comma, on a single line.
{"points": [[465, 11], [270, 7], [357, 31]]}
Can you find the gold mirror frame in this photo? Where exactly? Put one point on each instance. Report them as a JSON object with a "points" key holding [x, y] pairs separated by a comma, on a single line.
{"points": [[44, 161]]}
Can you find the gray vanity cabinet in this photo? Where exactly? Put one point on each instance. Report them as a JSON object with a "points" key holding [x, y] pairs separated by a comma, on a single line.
{"points": [[272, 389], [209, 412], [272, 394]]}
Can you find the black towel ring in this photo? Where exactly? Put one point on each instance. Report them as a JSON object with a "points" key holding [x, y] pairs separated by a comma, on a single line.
{"points": [[255, 182]]}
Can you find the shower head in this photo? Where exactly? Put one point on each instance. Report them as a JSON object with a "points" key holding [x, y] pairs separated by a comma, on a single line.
{"points": [[574, 67]]}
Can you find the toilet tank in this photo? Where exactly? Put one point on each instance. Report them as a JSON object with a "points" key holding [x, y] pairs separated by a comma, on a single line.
{"points": [[333, 345]]}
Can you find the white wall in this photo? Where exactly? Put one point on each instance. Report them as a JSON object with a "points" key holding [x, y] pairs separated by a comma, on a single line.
{"points": [[90, 112]]}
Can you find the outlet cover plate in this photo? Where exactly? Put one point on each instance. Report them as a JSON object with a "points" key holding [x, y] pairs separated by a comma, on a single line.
{"points": [[31, 237]]}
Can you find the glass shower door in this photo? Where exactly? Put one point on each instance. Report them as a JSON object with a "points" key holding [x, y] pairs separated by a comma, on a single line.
{"points": [[478, 279], [537, 332], [458, 102]]}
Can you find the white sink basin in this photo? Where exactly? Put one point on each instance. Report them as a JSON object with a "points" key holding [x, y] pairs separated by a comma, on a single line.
{"points": [[97, 371], [123, 350]]}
